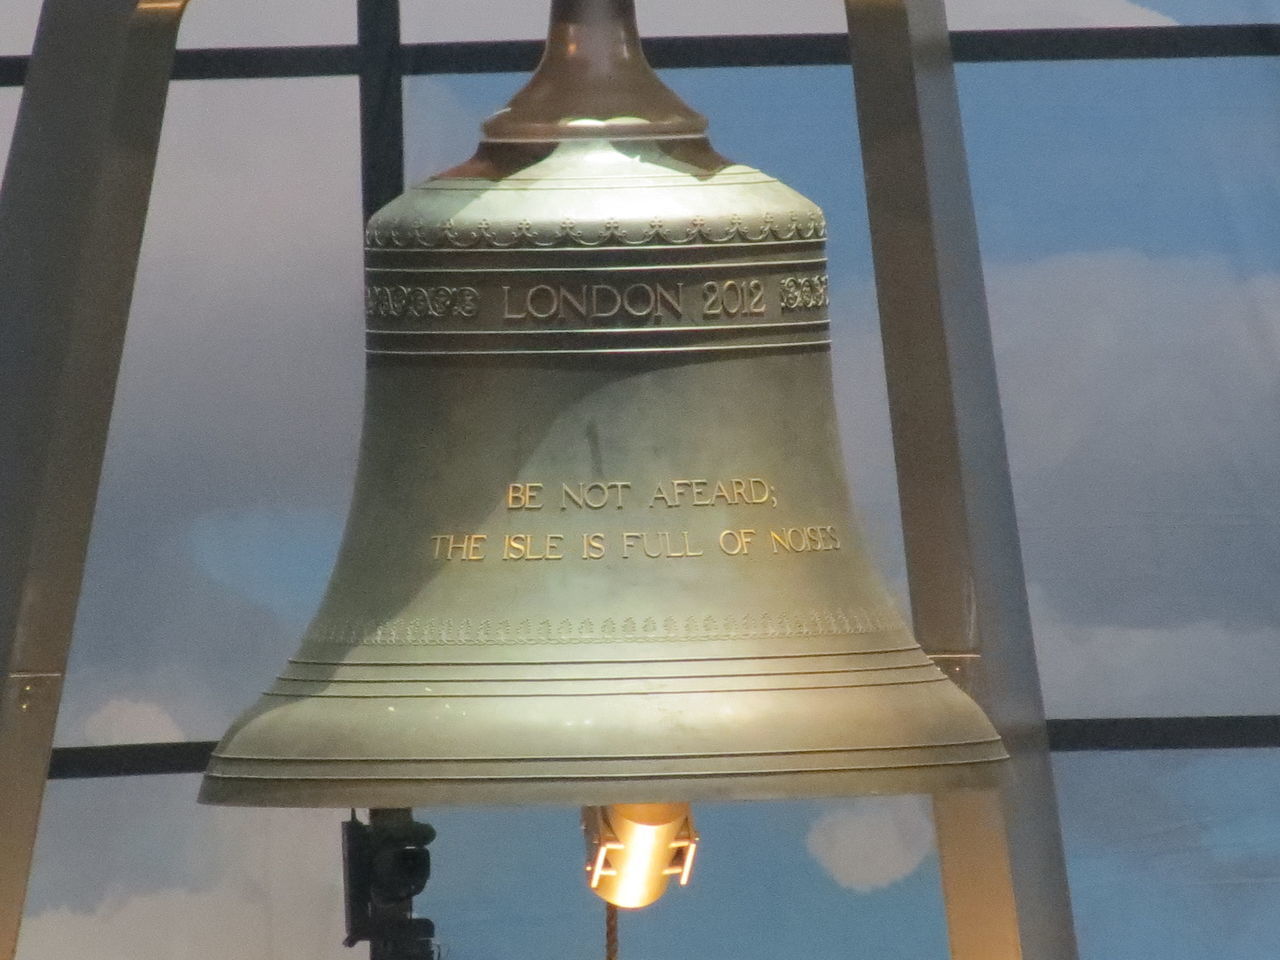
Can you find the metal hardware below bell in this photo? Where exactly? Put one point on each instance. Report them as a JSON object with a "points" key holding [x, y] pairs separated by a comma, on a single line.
{"points": [[385, 865]]}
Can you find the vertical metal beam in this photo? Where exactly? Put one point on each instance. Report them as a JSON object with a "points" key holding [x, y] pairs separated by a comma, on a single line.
{"points": [[72, 209], [1002, 859], [381, 103]]}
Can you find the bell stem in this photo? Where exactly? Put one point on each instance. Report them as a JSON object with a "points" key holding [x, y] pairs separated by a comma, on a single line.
{"points": [[601, 33], [594, 81]]}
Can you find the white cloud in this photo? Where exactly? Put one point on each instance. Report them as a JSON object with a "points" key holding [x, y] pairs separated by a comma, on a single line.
{"points": [[130, 721], [266, 886], [1139, 397], [873, 842], [1089, 342], [1194, 668]]}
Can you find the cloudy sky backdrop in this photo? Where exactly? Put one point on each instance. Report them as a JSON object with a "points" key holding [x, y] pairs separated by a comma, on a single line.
{"points": [[1130, 226]]}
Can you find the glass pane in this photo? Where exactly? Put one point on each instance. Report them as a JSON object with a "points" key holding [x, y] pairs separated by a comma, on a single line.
{"points": [[9, 98], [1218, 11], [133, 868], [1172, 854], [1130, 244], [20, 26], [226, 23], [1130, 223], [823, 880], [232, 443], [252, 23], [240, 23], [424, 21]]}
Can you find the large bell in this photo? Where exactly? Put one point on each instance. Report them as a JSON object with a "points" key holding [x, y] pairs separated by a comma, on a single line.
{"points": [[600, 549]]}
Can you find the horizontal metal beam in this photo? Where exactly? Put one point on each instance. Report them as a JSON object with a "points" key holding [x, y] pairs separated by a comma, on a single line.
{"points": [[1065, 736], [781, 50], [130, 760], [1117, 43], [1165, 733]]}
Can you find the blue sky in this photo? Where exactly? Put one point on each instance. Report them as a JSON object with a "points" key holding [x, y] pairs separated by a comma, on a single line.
{"points": [[1129, 215]]}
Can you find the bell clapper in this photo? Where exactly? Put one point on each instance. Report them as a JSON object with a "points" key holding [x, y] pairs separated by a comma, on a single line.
{"points": [[385, 865]]}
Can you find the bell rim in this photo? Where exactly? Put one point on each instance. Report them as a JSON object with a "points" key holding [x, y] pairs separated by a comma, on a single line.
{"points": [[980, 772]]}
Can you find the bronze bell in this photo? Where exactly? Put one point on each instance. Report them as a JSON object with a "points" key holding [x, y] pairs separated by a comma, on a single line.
{"points": [[600, 549]]}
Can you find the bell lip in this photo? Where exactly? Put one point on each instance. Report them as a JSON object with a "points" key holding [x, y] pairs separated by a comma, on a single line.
{"points": [[982, 772]]}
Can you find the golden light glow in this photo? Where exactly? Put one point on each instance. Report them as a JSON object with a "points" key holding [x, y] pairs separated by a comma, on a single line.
{"points": [[633, 850]]}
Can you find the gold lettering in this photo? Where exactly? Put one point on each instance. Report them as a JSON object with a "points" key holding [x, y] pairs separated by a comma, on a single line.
{"points": [[688, 550], [621, 486], [661, 494], [656, 545], [593, 546], [521, 546], [567, 496], [463, 546], [700, 493], [736, 542], [739, 490], [523, 496], [594, 496], [759, 491], [722, 493], [812, 539]]}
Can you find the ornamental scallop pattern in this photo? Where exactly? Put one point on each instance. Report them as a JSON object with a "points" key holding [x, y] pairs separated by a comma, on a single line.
{"points": [[431, 632], [387, 234]]}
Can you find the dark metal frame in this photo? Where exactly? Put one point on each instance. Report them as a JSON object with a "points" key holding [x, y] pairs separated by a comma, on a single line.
{"points": [[379, 60], [1065, 736], [782, 50]]}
